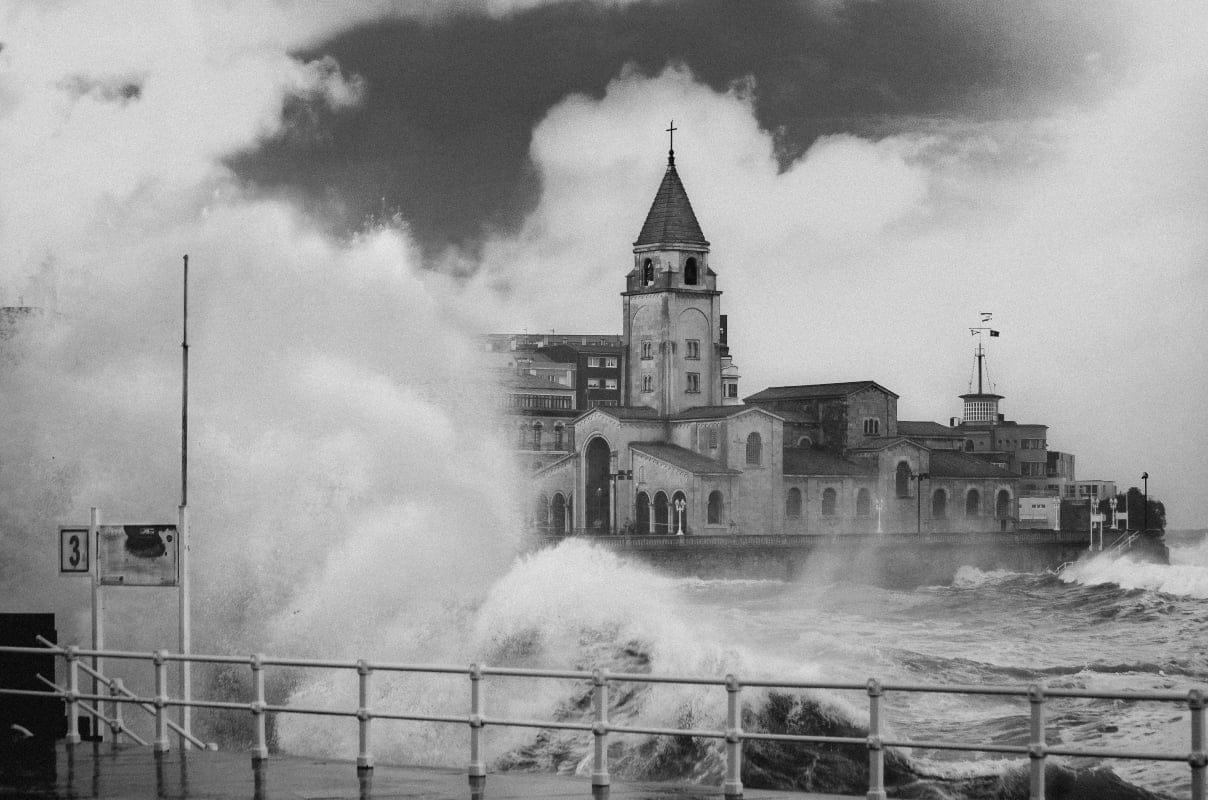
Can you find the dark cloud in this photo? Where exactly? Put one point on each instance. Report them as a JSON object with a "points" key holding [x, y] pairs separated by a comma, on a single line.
{"points": [[442, 134]]}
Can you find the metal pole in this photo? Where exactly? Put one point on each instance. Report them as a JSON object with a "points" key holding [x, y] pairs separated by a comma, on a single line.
{"points": [[73, 695], [1145, 507], [600, 780], [161, 744], [364, 715], [477, 769], [1198, 758], [260, 752], [182, 527], [118, 726], [732, 787], [1036, 744], [876, 751], [98, 601]]}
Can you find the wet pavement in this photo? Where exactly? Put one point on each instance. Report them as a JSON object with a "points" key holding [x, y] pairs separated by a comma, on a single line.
{"points": [[100, 771]]}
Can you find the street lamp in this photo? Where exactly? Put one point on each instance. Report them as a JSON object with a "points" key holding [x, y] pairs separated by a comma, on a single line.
{"points": [[1145, 501], [680, 505], [918, 492]]}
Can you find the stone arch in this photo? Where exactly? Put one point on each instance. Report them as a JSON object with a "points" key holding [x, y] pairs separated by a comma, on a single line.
{"points": [[972, 503], [558, 513], [597, 458], [661, 518], [792, 503], [1002, 504], [754, 448], [648, 272], [830, 502], [714, 510], [902, 479], [642, 512], [691, 272]]}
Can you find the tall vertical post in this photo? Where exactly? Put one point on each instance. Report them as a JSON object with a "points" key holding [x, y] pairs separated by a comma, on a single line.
{"points": [[364, 715], [1199, 757], [98, 602], [182, 529], [118, 726], [260, 752], [477, 769], [1036, 742], [1145, 504], [161, 744], [732, 786], [600, 780], [876, 751], [73, 695]]}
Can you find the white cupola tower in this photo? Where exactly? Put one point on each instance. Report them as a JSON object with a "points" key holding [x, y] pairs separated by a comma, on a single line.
{"points": [[673, 323]]}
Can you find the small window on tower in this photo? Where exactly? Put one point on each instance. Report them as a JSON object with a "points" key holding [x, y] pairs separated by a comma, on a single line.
{"points": [[647, 272], [647, 348], [647, 383], [872, 427], [693, 348], [690, 272], [693, 382]]}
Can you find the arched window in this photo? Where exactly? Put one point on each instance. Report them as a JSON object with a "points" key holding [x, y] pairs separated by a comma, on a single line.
{"points": [[558, 432], [972, 503], [643, 512], [647, 272], [1002, 504], [968, 445], [647, 383], [558, 514], [714, 510], [661, 516], [829, 496], [536, 435], [754, 448], [863, 503], [939, 504], [690, 272], [872, 427], [792, 503], [805, 441], [903, 479]]}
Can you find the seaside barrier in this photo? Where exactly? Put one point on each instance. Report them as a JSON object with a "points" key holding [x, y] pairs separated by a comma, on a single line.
{"points": [[1037, 749]]}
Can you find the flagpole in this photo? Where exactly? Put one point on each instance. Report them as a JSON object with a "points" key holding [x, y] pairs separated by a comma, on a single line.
{"points": [[182, 528]]}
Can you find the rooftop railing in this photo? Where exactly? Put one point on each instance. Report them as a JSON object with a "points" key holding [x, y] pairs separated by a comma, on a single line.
{"points": [[1037, 749]]}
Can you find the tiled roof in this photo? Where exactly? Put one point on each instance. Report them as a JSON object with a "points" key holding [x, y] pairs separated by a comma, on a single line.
{"points": [[671, 219], [925, 428], [628, 412], [954, 464], [712, 412], [807, 461], [516, 380], [814, 390], [683, 458]]}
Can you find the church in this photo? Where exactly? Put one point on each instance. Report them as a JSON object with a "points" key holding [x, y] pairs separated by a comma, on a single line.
{"points": [[682, 454]]}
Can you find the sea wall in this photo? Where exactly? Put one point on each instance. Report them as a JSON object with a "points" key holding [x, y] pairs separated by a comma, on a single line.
{"points": [[881, 559]]}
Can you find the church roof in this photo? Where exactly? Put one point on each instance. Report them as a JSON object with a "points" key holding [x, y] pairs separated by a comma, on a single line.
{"points": [[717, 412], [683, 458], [671, 219], [955, 464], [814, 390], [925, 428], [807, 461], [626, 412]]}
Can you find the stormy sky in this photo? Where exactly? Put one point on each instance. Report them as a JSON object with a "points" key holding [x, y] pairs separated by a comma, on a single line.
{"points": [[364, 186]]}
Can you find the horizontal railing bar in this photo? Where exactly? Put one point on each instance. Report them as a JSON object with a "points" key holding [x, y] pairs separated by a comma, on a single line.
{"points": [[1092, 694], [437, 669], [541, 673], [527, 723], [803, 739], [779, 684], [666, 732], [1120, 754], [421, 718], [622, 677], [323, 712], [969, 748], [31, 693]]}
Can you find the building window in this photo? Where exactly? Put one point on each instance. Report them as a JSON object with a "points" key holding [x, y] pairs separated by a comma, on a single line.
{"points": [[713, 438], [647, 272], [610, 363], [714, 511], [872, 427], [792, 503], [754, 448], [903, 479], [536, 435], [558, 433], [593, 361], [693, 348], [829, 496], [647, 349], [1002, 504], [863, 503], [968, 445], [521, 437], [647, 383], [972, 503], [693, 382], [690, 272], [731, 390], [593, 383], [610, 383], [939, 504]]}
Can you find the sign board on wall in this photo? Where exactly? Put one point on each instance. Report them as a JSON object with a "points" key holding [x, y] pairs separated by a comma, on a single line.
{"points": [[137, 555], [74, 550]]}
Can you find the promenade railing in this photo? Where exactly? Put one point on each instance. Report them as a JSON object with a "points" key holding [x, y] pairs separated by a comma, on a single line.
{"points": [[1037, 749]]}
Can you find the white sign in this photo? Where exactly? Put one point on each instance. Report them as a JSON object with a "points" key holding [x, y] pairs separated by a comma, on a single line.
{"points": [[137, 555], [74, 549]]}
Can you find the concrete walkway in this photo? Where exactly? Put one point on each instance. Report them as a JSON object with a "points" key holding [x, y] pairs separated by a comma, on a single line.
{"points": [[135, 773]]}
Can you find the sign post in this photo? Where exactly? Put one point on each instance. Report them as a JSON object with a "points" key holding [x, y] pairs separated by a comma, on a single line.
{"points": [[98, 603]]}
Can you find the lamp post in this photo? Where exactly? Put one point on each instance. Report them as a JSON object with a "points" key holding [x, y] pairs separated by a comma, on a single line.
{"points": [[918, 492], [680, 505], [1145, 501]]}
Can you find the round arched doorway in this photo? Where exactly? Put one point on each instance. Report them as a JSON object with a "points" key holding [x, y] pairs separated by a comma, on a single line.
{"points": [[598, 457]]}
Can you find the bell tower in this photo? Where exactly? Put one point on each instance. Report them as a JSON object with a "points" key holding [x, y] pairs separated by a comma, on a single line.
{"points": [[673, 323]]}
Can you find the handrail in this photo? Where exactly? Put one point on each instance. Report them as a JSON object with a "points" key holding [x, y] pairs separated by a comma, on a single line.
{"points": [[1037, 749]]}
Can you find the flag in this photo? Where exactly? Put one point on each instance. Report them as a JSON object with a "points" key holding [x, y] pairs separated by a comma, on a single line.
{"points": [[993, 333]]}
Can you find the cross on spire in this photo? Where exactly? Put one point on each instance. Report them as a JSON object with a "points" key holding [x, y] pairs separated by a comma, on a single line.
{"points": [[671, 150]]}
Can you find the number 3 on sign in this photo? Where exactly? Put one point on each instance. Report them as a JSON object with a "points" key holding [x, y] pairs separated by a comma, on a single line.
{"points": [[73, 550]]}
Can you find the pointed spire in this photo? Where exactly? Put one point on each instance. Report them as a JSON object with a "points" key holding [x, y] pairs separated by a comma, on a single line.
{"points": [[671, 221]]}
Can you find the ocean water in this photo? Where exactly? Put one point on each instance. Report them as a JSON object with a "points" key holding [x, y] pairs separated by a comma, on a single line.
{"points": [[1104, 623]]}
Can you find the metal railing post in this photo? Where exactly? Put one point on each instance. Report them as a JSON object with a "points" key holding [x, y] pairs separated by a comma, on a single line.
{"points": [[260, 751], [117, 727], [73, 694], [1198, 758], [600, 780], [1036, 742], [162, 743], [732, 787], [876, 751], [477, 769], [364, 715]]}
